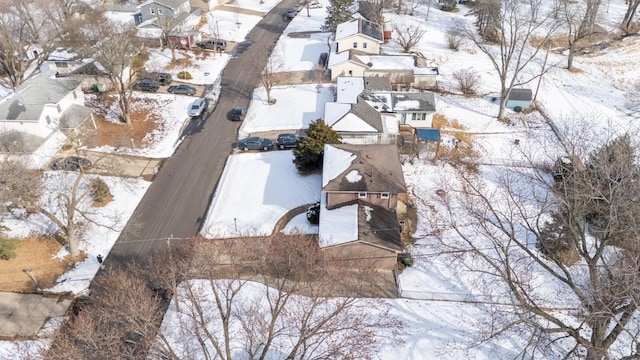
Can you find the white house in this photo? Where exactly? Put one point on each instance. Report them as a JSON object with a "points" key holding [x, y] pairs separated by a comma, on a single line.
{"points": [[37, 110], [154, 15], [359, 34]]}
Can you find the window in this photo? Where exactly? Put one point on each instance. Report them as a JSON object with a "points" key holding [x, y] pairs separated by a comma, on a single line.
{"points": [[152, 11], [350, 72], [61, 64], [75, 96], [58, 108], [364, 45], [384, 195], [159, 11], [362, 195], [418, 116], [48, 120], [355, 45]]}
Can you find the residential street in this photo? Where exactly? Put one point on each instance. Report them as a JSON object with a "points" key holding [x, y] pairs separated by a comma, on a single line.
{"points": [[177, 201]]}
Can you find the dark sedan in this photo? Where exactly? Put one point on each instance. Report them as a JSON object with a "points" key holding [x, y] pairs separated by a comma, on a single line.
{"points": [[255, 143], [146, 85], [71, 163], [182, 89]]}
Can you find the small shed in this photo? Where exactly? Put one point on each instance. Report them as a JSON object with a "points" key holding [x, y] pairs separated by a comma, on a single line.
{"points": [[519, 97], [184, 40], [428, 142]]}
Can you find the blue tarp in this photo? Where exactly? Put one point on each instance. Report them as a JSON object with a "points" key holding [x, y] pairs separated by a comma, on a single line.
{"points": [[429, 135]]}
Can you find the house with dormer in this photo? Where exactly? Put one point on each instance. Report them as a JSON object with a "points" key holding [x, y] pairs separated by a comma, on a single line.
{"points": [[356, 52], [154, 15], [361, 190], [39, 108]]}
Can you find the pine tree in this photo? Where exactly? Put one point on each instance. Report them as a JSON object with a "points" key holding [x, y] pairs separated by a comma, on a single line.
{"points": [[308, 152], [338, 11]]}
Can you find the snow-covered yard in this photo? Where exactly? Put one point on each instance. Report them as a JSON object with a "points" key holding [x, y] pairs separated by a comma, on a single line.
{"points": [[257, 189], [296, 107]]}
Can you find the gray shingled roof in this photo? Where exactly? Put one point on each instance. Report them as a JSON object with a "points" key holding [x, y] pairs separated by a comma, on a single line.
{"points": [[377, 83], [370, 29], [31, 97], [378, 226], [379, 166], [520, 94], [426, 100], [367, 113]]}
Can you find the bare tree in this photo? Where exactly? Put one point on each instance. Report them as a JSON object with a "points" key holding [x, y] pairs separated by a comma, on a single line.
{"points": [[168, 24], [27, 37], [632, 7], [115, 47], [562, 250], [67, 206], [269, 76], [408, 37], [577, 18], [454, 39], [117, 321], [229, 314], [514, 28]]}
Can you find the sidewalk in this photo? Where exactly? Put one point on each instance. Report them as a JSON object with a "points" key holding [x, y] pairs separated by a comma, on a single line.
{"points": [[23, 315]]}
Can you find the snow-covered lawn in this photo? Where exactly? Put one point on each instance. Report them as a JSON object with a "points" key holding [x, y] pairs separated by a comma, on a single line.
{"points": [[298, 54], [257, 189], [205, 68], [296, 107], [313, 22], [231, 26]]}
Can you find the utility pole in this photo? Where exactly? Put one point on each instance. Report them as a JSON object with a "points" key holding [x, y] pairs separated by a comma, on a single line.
{"points": [[544, 65]]}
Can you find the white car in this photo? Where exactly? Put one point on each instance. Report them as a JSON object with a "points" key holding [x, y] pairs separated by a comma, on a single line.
{"points": [[197, 107]]}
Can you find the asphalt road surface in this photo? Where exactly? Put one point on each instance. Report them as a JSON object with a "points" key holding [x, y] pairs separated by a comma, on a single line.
{"points": [[177, 200]]}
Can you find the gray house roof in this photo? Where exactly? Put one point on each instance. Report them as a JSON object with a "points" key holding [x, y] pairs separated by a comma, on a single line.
{"points": [[413, 102], [34, 94], [378, 226], [168, 3], [377, 83], [520, 94], [367, 113], [378, 165]]}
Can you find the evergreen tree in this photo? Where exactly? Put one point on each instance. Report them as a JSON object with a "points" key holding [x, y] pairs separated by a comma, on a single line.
{"points": [[308, 152], [338, 11]]}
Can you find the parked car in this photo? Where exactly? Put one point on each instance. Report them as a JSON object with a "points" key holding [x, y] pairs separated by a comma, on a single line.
{"points": [[197, 107], [255, 143], [291, 13], [213, 44], [146, 85], [287, 141], [182, 89], [71, 163], [162, 78], [237, 113]]}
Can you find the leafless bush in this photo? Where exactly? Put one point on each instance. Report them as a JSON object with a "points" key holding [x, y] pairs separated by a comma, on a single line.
{"points": [[467, 81], [454, 40]]}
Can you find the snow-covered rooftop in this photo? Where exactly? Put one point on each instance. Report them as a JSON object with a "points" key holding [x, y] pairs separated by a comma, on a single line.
{"points": [[348, 89]]}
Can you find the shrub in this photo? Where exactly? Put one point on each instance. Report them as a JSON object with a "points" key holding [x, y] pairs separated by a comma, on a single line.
{"points": [[99, 191], [517, 109], [454, 39], [184, 75], [448, 5], [467, 81], [8, 247], [405, 259], [313, 213]]}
